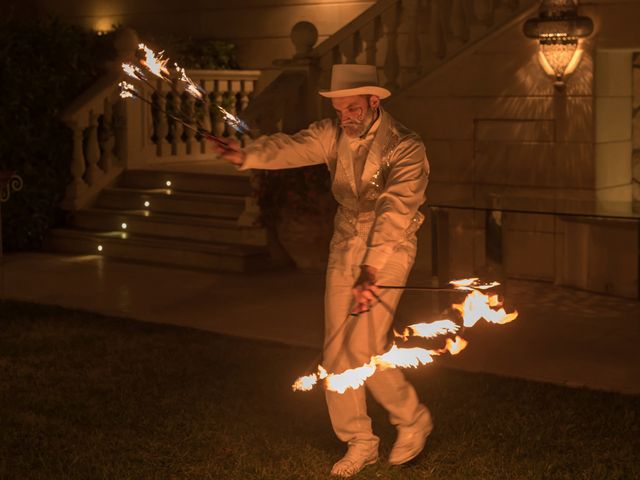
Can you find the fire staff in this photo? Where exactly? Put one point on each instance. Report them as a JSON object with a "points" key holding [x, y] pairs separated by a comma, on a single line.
{"points": [[379, 174]]}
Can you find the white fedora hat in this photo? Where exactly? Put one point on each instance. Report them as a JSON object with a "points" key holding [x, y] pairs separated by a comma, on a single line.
{"points": [[351, 79]]}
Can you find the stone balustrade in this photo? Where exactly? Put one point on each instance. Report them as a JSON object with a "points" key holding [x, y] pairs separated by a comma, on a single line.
{"points": [[111, 134], [173, 106], [406, 39]]}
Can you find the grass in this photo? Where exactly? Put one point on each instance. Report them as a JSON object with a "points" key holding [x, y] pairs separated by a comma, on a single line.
{"points": [[89, 397]]}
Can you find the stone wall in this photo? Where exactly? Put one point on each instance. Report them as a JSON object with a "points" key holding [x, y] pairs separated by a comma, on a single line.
{"points": [[495, 126]]}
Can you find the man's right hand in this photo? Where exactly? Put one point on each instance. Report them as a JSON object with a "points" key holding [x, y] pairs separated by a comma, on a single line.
{"points": [[229, 149]]}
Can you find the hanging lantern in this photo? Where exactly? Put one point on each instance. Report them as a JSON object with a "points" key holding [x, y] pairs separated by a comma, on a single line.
{"points": [[558, 29]]}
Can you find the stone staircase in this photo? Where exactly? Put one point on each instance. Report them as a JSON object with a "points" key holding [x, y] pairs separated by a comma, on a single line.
{"points": [[175, 218], [192, 222]]}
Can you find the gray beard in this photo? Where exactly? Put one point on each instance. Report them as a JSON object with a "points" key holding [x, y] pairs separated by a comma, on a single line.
{"points": [[359, 129]]}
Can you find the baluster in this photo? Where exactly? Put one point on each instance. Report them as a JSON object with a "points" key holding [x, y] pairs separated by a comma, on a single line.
{"points": [[119, 129], [93, 150], [77, 185], [484, 11], [177, 144], [325, 64], [247, 89], [351, 48], [505, 8], [390, 20], [187, 113], [218, 124], [476, 28], [437, 37], [160, 125], [204, 115], [414, 53], [106, 138], [234, 89], [370, 34], [458, 23], [422, 21]]}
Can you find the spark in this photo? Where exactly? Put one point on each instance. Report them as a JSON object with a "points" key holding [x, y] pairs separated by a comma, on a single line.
{"points": [[193, 89], [233, 121], [127, 90]]}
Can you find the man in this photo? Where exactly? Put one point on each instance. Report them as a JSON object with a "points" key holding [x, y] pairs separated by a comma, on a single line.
{"points": [[379, 174]]}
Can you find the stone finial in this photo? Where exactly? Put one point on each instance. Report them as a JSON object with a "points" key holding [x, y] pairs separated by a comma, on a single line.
{"points": [[304, 36], [126, 42]]}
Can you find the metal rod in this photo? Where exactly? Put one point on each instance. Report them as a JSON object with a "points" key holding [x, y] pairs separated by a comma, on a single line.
{"points": [[204, 133], [421, 288]]}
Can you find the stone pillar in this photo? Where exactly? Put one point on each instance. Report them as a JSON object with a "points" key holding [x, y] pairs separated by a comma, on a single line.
{"points": [[635, 133]]}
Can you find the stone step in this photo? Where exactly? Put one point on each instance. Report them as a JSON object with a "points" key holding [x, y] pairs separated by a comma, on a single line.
{"points": [[148, 249], [188, 227], [186, 182], [159, 201]]}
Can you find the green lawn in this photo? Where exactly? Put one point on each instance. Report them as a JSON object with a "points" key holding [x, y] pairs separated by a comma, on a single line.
{"points": [[89, 397]]}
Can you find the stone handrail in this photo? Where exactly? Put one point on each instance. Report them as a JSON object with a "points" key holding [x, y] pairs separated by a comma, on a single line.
{"points": [[230, 89], [111, 134], [406, 39], [92, 119]]}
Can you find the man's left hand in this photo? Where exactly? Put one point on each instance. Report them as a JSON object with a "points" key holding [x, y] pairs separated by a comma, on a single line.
{"points": [[365, 289]]}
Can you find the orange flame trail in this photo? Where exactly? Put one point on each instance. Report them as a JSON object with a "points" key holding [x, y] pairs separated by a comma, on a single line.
{"points": [[475, 306]]}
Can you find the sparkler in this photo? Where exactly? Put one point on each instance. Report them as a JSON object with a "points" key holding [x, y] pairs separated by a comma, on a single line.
{"points": [[157, 66], [475, 306]]}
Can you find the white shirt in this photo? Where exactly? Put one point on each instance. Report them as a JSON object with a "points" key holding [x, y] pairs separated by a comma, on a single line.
{"points": [[359, 149]]}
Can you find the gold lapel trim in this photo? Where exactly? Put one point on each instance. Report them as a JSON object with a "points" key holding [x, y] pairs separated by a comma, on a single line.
{"points": [[374, 158]]}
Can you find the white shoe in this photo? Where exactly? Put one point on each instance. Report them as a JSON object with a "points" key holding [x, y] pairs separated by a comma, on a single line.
{"points": [[411, 439], [356, 458]]}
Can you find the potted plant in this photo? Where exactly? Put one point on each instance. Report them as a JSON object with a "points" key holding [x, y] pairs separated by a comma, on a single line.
{"points": [[297, 205]]}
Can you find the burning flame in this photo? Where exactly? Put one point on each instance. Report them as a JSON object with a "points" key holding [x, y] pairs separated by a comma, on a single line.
{"points": [[475, 306], [472, 284], [395, 357], [307, 382], [193, 89], [155, 63], [233, 121], [126, 90], [429, 330], [454, 347]]}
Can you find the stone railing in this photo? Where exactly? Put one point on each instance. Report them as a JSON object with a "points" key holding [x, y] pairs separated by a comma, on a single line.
{"points": [[405, 39], [230, 89], [96, 119], [111, 134]]}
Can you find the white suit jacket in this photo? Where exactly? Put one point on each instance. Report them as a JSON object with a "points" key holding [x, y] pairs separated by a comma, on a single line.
{"points": [[384, 213]]}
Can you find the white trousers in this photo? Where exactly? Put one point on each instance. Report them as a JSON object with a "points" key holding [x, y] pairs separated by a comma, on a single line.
{"points": [[362, 337]]}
